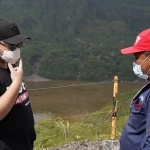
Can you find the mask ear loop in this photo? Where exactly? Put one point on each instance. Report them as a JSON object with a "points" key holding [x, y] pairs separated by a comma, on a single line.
{"points": [[148, 72], [145, 59]]}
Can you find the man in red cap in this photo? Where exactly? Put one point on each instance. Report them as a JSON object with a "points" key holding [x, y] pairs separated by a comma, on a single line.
{"points": [[16, 117], [136, 133]]}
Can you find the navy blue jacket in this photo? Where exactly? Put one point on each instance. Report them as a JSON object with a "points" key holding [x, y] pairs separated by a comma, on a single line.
{"points": [[136, 133]]}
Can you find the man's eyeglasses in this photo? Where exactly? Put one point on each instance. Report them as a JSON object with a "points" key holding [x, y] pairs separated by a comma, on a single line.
{"points": [[12, 46]]}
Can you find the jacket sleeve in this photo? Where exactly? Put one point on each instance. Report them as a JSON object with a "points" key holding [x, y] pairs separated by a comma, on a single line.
{"points": [[145, 145]]}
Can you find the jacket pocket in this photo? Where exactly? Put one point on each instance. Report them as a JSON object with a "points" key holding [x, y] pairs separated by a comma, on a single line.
{"points": [[137, 117]]}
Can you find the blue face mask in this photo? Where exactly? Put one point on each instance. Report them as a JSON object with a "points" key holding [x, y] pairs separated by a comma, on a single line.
{"points": [[138, 71]]}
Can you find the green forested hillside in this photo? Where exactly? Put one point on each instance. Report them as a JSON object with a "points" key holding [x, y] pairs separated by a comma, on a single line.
{"points": [[78, 39]]}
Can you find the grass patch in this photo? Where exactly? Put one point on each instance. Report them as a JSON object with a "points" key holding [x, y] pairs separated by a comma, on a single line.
{"points": [[55, 131]]}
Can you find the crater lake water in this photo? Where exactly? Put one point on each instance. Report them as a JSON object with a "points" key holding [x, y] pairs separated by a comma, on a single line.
{"points": [[72, 100]]}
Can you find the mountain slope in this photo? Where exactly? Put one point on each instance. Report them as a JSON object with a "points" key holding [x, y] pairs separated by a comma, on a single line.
{"points": [[78, 39]]}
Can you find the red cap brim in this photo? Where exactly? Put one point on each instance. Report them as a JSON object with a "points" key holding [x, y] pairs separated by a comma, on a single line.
{"points": [[131, 50]]}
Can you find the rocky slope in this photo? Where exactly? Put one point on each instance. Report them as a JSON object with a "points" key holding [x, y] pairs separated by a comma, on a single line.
{"points": [[35, 78], [89, 145]]}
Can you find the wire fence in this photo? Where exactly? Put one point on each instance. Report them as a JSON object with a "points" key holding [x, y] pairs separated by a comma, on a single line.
{"points": [[86, 84]]}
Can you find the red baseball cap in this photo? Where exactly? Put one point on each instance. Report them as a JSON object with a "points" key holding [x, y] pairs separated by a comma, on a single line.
{"points": [[142, 43]]}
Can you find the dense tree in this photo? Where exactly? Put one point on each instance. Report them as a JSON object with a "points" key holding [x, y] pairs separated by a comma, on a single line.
{"points": [[78, 39]]}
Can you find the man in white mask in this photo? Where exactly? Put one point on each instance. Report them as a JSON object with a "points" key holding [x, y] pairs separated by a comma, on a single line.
{"points": [[16, 118], [136, 133]]}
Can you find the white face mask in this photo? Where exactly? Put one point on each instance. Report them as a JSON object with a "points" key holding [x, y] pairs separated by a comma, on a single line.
{"points": [[138, 71], [11, 56]]}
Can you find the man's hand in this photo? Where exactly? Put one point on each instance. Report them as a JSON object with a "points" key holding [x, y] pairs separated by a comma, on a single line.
{"points": [[17, 72]]}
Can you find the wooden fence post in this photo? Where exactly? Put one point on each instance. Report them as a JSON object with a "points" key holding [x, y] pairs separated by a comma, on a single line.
{"points": [[114, 111]]}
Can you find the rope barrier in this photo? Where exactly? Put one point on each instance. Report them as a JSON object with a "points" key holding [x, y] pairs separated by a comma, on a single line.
{"points": [[76, 85], [65, 86]]}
